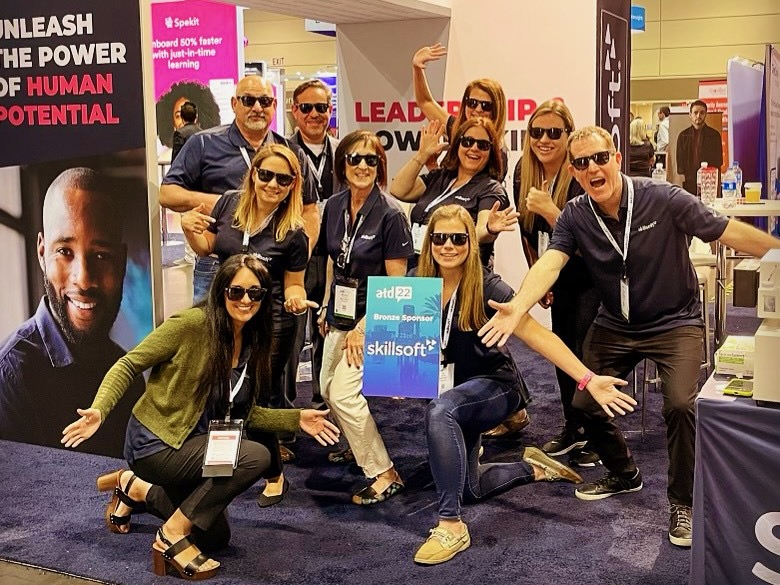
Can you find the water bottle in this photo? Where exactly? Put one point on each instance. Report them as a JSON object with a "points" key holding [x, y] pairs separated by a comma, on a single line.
{"points": [[729, 186], [698, 179], [738, 175], [709, 184], [659, 173]]}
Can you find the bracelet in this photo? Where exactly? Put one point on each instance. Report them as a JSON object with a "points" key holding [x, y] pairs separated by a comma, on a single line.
{"points": [[360, 330], [491, 232], [584, 381], [299, 313]]}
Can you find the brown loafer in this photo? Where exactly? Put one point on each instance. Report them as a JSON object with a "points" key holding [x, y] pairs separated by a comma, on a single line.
{"points": [[553, 470], [514, 423]]}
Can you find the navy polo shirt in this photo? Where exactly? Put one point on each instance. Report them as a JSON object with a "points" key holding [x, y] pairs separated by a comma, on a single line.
{"points": [[289, 255], [480, 193], [384, 234], [663, 288], [211, 162]]}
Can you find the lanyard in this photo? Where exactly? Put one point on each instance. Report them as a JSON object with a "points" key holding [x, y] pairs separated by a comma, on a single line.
{"points": [[348, 241], [263, 225], [234, 391], [445, 336], [317, 171], [450, 190], [627, 234], [246, 157]]}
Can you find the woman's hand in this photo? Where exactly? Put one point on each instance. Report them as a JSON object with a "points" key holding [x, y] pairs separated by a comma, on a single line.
{"points": [[353, 346], [322, 324], [314, 423], [539, 201], [603, 390], [195, 221], [81, 430], [298, 306], [431, 144], [501, 221], [426, 54], [547, 300]]}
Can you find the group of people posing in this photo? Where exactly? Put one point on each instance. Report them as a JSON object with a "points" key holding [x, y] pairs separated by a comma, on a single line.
{"points": [[290, 229]]}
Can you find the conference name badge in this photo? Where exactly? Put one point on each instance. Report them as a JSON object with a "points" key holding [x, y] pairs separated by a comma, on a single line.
{"points": [[222, 448], [446, 378]]}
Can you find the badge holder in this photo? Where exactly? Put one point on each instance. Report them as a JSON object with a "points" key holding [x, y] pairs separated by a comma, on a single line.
{"points": [[222, 449], [345, 300]]}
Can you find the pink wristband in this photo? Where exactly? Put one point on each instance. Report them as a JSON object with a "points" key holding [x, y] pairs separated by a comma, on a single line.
{"points": [[584, 381]]}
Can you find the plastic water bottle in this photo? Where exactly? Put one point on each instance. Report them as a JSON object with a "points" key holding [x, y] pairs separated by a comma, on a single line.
{"points": [[659, 173], [698, 179], [729, 189], [738, 175]]}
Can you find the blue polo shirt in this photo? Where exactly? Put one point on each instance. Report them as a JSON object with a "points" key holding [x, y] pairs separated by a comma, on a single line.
{"points": [[480, 193], [289, 255], [383, 234], [211, 162], [663, 288]]}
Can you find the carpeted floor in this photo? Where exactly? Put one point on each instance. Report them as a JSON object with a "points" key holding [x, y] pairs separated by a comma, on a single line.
{"points": [[51, 514]]}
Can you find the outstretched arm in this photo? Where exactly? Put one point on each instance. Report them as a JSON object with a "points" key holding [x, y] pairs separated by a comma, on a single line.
{"points": [[422, 93], [748, 239]]}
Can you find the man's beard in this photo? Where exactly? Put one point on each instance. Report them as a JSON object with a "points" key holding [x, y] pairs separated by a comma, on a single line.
{"points": [[97, 332], [256, 124]]}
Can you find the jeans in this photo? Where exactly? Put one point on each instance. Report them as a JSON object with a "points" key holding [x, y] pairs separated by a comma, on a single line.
{"points": [[203, 275], [454, 424]]}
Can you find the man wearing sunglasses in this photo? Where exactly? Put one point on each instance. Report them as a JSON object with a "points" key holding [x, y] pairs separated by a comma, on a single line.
{"points": [[215, 161], [633, 235], [312, 109]]}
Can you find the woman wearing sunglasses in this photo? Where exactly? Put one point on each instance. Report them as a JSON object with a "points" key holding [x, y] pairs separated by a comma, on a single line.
{"points": [[482, 98], [485, 385], [264, 218], [206, 364], [542, 186], [468, 176], [365, 233]]}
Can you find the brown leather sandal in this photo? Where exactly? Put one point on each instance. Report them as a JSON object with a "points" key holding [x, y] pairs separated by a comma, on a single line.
{"points": [[163, 560], [111, 481]]}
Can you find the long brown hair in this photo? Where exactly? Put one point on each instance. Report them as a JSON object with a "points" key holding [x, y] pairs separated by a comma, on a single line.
{"points": [[471, 315], [532, 171], [495, 162], [497, 115], [290, 210]]}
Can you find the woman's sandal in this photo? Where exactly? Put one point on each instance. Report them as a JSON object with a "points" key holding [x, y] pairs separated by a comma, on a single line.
{"points": [[112, 481], [162, 560], [368, 495]]}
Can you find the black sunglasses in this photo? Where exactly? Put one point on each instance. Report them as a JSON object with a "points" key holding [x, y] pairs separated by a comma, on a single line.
{"points": [[552, 133], [583, 162], [457, 239], [472, 103], [282, 179], [321, 108], [468, 142], [236, 293], [249, 100], [353, 160]]}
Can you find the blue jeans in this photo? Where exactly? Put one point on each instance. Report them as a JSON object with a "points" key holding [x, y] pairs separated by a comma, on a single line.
{"points": [[205, 269], [454, 424]]}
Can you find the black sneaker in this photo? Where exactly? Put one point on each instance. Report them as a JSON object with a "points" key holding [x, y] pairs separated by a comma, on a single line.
{"points": [[568, 439], [680, 525], [584, 458], [609, 485]]}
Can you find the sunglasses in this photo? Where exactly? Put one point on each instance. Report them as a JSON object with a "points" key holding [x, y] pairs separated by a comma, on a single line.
{"points": [[282, 179], [249, 100], [583, 162], [468, 142], [552, 133], [353, 160], [236, 293], [457, 239], [472, 103], [321, 108]]}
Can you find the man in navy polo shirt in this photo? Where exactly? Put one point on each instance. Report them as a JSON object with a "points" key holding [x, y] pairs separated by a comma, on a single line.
{"points": [[215, 161], [633, 235]]}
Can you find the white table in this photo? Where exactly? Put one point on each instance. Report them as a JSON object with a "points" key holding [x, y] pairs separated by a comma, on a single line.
{"points": [[766, 208]]}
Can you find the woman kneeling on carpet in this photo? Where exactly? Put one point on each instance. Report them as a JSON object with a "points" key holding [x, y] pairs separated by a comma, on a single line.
{"points": [[207, 364], [485, 385]]}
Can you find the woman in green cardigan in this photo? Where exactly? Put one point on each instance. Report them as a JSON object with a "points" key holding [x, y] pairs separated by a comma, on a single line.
{"points": [[206, 363]]}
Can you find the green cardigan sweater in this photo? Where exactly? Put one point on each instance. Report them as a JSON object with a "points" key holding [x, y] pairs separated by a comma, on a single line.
{"points": [[168, 408]]}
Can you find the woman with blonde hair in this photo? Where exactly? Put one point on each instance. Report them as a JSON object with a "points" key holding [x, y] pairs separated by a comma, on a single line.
{"points": [[264, 218], [484, 385], [641, 154], [543, 186]]}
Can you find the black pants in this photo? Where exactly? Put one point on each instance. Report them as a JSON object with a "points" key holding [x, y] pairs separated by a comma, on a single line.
{"points": [[176, 475], [677, 354], [573, 311]]}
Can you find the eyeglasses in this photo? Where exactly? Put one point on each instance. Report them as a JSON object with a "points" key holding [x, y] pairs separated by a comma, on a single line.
{"points": [[600, 158], [282, 179], [249, 100], [321, 108], [236, 293], [472, 103], [457, 239], [552, 133], [353, 160], [468, 142]]}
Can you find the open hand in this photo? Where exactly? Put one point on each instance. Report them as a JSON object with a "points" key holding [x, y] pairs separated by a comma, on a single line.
{"points": [[426, 54], [501, 325], [81, 430], [353, 346], [431, 144], [612, 400], [315, 424], [501, 221]]}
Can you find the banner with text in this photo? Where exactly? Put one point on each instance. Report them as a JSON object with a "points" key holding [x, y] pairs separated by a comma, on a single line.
{"points": [[403, 332]]}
